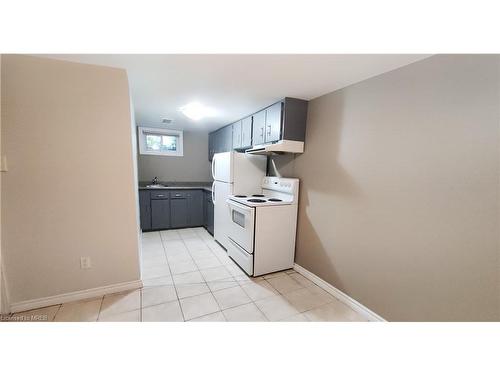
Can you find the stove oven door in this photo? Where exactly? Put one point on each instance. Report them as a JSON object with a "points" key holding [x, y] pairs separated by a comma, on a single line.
{"points": [[242, 224]]}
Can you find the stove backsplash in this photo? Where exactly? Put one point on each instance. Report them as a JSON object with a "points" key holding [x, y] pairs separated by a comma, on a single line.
{"points": [[281, 165]]}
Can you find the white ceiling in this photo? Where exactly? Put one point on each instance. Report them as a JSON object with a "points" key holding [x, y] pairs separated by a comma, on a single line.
{"points": [[234, 85]]}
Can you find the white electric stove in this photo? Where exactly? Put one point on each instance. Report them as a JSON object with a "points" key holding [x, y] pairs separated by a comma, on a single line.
{"points": [[263, 225]]}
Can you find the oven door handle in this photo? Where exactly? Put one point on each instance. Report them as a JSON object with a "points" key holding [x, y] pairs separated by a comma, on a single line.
{"points": [[238, 206]]}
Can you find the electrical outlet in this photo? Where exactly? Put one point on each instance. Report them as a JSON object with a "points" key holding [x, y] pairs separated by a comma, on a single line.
{"points": [[85, 263]]}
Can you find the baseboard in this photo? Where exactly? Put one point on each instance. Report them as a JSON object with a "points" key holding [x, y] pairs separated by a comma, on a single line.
{"points": [[341, 296], [4, 304], [74, 296]]}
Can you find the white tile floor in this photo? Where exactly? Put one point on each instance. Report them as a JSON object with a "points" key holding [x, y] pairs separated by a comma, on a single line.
{"points": [[187, 276]]}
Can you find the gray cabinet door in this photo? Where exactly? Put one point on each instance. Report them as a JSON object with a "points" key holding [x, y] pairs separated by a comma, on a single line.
{"points": [[259, 127], [237, 135], [160, 214], [211, 146], [195, 208], [220, 142], [178, 212], [227, 138], [246, 132], [145, 209], [273, 123], [205, 218], [209, 220], [216, 141]]}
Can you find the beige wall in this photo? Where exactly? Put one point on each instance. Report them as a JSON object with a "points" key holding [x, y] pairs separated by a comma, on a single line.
{"points": [[192, 167], [3, 297], [399, 204], [70, 189]]}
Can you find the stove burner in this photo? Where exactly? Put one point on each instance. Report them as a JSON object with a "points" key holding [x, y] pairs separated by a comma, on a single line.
{"points": [[240, 196], [257, 200], [275, 200], [258, 195]]}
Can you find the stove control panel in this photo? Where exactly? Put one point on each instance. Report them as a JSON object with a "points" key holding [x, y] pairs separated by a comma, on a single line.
{"points": [[285, 185]]}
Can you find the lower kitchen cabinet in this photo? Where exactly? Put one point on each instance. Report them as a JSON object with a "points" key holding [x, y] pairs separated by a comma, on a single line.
{"points": [[209, 213], [165, 209], [195, 208], [145, 209], [160, 213], [179, 212]]}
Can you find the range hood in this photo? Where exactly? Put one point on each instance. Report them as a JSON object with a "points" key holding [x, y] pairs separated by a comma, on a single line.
{"points": [[280, 147]]}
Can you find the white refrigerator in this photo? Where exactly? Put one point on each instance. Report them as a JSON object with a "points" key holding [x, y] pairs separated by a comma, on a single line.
{"points": [[233, 173]]}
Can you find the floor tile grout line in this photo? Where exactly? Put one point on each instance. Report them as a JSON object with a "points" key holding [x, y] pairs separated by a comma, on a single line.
{"points": [[100, 308], [299, 312], [262, 312], [222, 310], [206, 282], [140, 304], [239, 282], [198, 270], [214, 281], [232, 276], [249, 303], [203, 277], [279, 293], [59, 308], [258, 308], [175, 287]]}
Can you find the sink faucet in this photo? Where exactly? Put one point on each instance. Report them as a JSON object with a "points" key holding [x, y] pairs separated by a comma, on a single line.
{"points": [[155, 181]]}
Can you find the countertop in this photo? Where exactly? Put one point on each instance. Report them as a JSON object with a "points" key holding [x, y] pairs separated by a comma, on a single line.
{"points": [[207, 186]]}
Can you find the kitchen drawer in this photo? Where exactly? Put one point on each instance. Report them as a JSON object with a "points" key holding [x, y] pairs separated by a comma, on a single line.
{"points": [[178, 194], [240, 256], [162, 194]]}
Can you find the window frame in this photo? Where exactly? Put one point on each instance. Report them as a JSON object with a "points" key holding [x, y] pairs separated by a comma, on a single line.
{"points": [[160, 131]]}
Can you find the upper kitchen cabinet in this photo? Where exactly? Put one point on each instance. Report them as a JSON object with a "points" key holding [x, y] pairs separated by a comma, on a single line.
{"points": [[259, 127], [280, 128], [273, 122], [246, 132], [226, 139], [211, 145], [242, 134], [285, 120], [294, 118], [220, 140], [236, 134]]}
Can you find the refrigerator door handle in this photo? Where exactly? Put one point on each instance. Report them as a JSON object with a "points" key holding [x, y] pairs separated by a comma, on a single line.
{"points": [[213, 166], [213, 192]]}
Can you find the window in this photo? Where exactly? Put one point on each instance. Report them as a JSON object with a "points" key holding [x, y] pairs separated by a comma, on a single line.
{"points": [[156, 141]]}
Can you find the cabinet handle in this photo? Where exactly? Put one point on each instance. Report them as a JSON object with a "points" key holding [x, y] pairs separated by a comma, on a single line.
{"points": [[160, 195]]}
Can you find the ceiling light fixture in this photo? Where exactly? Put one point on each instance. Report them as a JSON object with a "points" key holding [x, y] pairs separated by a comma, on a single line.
{"points": [[196, 111]]}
